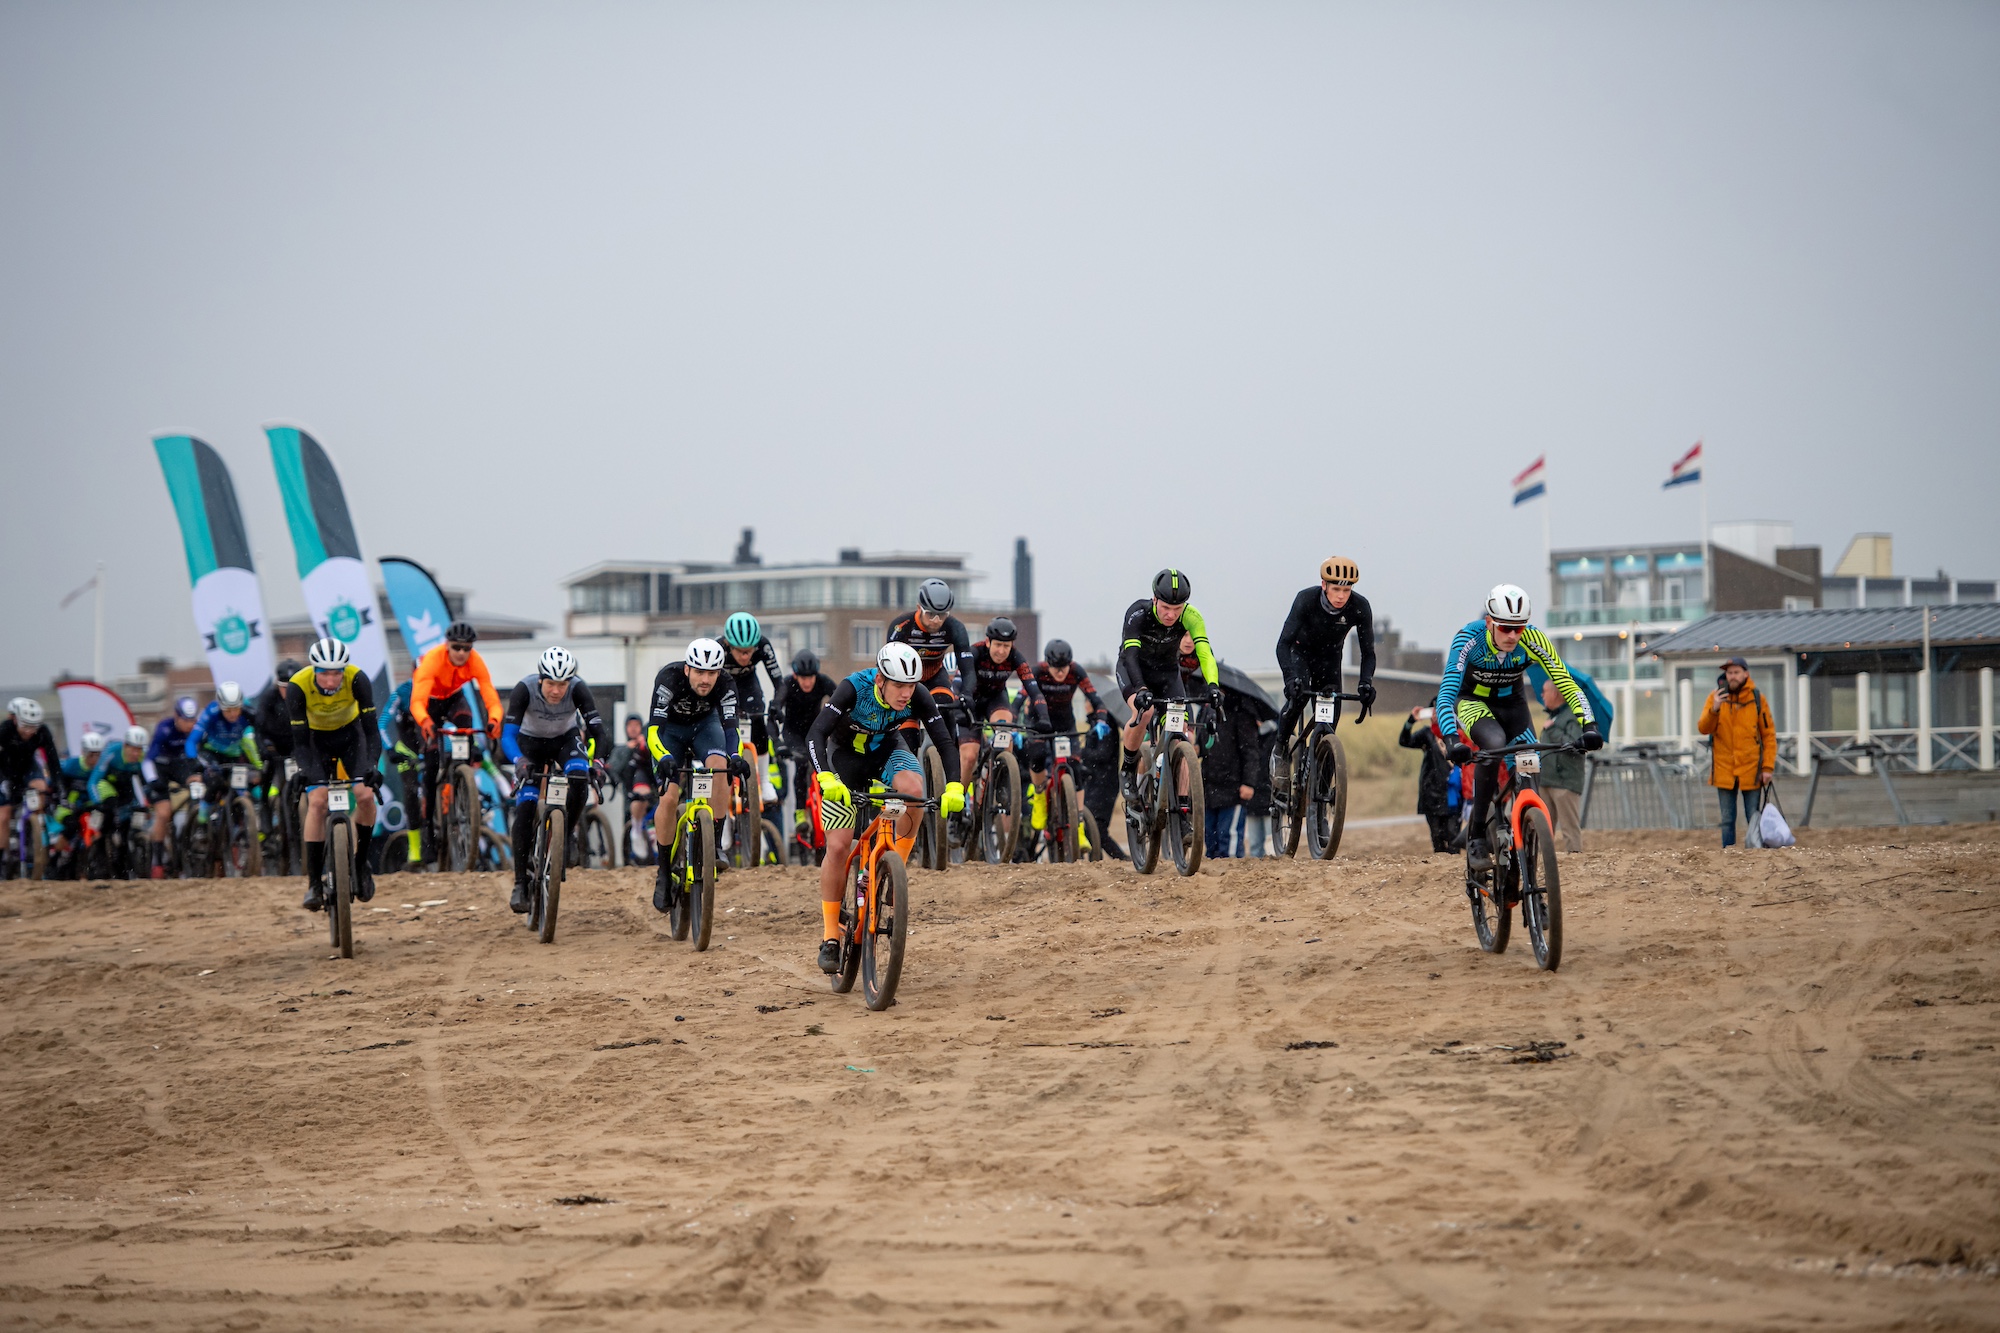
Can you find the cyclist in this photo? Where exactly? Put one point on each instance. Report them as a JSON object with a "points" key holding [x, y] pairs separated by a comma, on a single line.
{"points": [[403, 747], [167, 752], [1482, 697], [547, 716], [1149, 666], [334, 735], [994, 661], [694, 710], [797, 702], [272, 719], [746, 649], [437, 695], [859, 738], [1059, 678], [117, 783], [1310, 647], [74, 780], [23, 736], [632, 770], [222, 735], [945, 649]]}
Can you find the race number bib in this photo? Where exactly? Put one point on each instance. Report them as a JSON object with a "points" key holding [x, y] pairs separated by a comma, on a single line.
{"points": [[558, 790], [1062, 747], [197, 791], [461, 747], [1177, 721], [702, 786], [338, 801], [893, 809], [239, 776], [1326, 710], [1527, 763]]}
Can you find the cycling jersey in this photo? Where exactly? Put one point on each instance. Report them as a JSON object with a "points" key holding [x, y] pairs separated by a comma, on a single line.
{"points": [[18, 750], [1477, 675], [334, 727], [989, 678], [743, 675], [1060, 694], [168, 748], [436, 680], [1315, 635], [532, 716], [111, 780], [946, 648], [273, 722], [1148, 648], [676, 704], [856, 721], [795, 708], [216, 737]]}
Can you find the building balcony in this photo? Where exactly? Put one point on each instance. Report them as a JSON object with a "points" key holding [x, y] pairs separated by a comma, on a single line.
{"points": [[1570, 617]]}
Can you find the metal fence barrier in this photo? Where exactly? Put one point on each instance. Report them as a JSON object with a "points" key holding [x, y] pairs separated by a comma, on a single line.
{"points": [[1645, 786]]}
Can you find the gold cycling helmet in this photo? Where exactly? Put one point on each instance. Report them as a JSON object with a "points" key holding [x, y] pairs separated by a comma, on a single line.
{"points": [[1339, 569]]}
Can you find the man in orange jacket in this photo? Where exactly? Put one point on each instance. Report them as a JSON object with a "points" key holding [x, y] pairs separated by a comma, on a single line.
{"points": [[437, 694], [1746, 744]]}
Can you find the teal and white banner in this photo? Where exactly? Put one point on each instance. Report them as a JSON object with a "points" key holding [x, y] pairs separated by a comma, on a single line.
{"points": [[419, 605], [228, 604]]}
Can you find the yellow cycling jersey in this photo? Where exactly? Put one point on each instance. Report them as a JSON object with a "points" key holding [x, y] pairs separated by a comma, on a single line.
{"points": [[329, 712]]}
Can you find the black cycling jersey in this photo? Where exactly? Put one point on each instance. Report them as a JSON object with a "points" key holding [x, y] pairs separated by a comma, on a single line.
{"points": [[1310, 644], [675, 702], [18, 749], [989, 678], [947, 648], [1061, 694], [855, 724], [795, 709], [1148, 648], [273, 720], [743, 675]]}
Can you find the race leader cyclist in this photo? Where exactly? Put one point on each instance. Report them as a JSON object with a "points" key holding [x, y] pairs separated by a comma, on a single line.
{"points": [[859, 738], [223, 736], [794, 708], [693, 713], [946, 652], [744, 650], [1311, 644], [437, 695], [547, 715], [1149, 663], [23, 736], [334, 736], [1483, 697]]}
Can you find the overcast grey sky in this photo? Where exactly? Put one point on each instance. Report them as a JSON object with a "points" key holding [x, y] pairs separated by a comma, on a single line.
{"points": [[1229, 286]]}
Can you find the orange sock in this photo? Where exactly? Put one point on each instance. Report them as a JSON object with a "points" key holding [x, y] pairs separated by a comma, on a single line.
{"points": [[831, 911]]}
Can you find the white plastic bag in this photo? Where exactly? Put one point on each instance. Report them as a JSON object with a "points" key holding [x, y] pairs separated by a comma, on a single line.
{"points": [[1771, 825]]}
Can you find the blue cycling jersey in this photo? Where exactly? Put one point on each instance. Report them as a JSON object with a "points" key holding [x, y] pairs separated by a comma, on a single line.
{"points": [[216, 735], [168, 742], [111, 778], [1478, 670]]}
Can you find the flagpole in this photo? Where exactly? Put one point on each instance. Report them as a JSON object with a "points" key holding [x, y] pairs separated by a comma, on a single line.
{"points": [[1548, 555], [97, 647], [1707, 576]]}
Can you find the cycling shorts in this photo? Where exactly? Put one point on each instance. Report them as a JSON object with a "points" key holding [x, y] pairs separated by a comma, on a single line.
{"points": [[327, 755], [175, 769], [564, 752], [1163, 679], [688, 743], [881, 764]]}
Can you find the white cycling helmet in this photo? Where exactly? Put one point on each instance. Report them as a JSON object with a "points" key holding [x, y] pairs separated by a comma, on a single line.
{"points": [[557, 664], [229, 694], [899, 662], [137, 736], [705, 655], [327, 655], [1508, 605], [26, 711], [93, 741]]}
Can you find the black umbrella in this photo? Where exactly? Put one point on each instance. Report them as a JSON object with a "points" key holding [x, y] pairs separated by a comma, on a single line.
{"points": [[1238, 682]]}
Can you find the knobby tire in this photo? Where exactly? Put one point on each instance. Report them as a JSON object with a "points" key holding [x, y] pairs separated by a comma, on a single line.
{"points": [[701, 880], [340, 911], [1541, 890], [882, 948]]}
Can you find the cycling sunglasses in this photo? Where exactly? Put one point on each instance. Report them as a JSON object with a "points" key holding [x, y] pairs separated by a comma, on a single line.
{"points": [[1337, 583]]}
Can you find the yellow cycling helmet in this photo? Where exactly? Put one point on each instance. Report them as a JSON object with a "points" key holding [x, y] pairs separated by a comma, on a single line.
{"points": [[1339, 568]]}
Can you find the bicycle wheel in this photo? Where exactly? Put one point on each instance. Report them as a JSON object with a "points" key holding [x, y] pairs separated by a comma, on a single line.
{"points": [[1326, 791], [463, 838], [772, 848], [882, 947], [1541, 890], [1185, 831], [1142, 836], [1000, 823], [246, 840], [549, 883], [1491, 919], [850, 948], [932, 851], [1286, 797], [701, 879], [340, 910], [750, 820], [594, 841], [677, 898], [1087, 825], [1063, 823]]}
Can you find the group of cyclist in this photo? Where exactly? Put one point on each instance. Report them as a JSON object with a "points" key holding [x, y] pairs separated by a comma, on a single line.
{"points": [[841, 736]]}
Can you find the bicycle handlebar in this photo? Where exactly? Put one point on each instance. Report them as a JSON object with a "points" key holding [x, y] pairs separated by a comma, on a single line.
{"points": [[1532, 747]]}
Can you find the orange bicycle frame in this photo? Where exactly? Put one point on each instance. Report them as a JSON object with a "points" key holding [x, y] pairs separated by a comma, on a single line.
{"points": [[880, 836]]}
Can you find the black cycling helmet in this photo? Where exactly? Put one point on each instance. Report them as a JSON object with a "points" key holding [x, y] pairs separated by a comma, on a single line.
{"points": [[1171, 587], [290, 667], [1058, 653], [935, 596], [1001, 629], [805, 663], [461, 631]]}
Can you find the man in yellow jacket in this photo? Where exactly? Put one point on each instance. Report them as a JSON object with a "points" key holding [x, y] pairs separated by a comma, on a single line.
{"points": [[1746, 744]]}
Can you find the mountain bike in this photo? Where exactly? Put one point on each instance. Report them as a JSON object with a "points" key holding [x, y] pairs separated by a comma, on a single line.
{"points": [[550, 858], [1169, 787], [457, 820], [28, 840], [691, 869], [752, 840], [340, 864], [1068, 832], [808, 842], [875, 903], [594, 846], [994, 801], [235, 844], [1310, 787], [933, 847], [1519, 830]]}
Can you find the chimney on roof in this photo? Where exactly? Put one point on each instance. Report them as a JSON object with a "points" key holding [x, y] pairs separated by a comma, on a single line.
{"points": [[1024, 576], [744, 555], [850, 555]]}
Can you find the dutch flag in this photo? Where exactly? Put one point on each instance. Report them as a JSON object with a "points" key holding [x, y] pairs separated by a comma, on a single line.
{"points": [[1685, 471], [1531, 483]]}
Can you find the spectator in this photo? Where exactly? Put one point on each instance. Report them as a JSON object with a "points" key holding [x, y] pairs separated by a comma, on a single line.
{"points": [[1257, 840], [1562, 774], [1225, 777], [1746, 744], [1100, 784], [1434, 779]]}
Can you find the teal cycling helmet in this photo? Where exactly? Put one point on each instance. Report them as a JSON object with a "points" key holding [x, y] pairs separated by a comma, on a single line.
{"points": [[741, 631]]}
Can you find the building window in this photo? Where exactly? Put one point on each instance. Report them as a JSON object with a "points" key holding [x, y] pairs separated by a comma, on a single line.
{"points": [[863, 638], [611, 592], [1794, 603], [1634, 593], [1673, 592]]}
